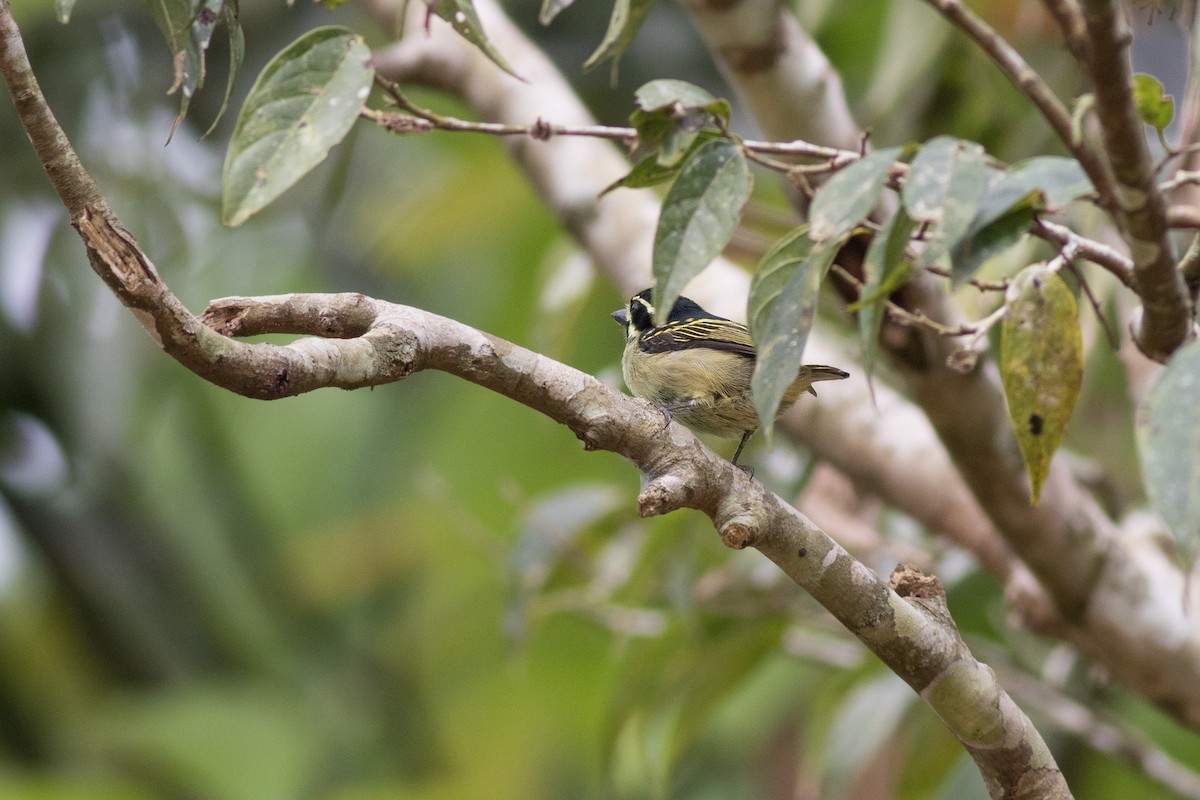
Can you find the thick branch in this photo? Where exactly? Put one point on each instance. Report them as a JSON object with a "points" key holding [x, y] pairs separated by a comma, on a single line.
{"points": [[907, 625], [1067, 541], [373, 342], [1141, 209]]}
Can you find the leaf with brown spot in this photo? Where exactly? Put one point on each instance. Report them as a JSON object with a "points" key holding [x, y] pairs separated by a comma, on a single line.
{"points": [[1041, 363]]}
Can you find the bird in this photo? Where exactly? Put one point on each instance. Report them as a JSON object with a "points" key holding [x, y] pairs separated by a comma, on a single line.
{"points": [[697, 367]]}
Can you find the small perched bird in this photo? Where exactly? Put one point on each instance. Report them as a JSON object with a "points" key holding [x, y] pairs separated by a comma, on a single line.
{"points": [[697, 367]]}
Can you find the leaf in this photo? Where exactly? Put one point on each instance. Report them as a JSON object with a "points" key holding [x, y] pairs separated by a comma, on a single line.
{"points": [[850, 195], [1168, 428], [303, 103], [944, 185], [1007, 209], [188, 25], [680, 96], [698, 216], [627, 17], [464, 19], [1060, 180], [647, 172], [672, 116], [63, 9], [885, 269], [783, 300], [773, 272], [551, 9], [1041, 363], [1154, 107], [237, 52], [975, 250]]}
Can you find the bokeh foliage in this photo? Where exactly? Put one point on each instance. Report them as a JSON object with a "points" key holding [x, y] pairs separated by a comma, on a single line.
{"points": [[423, 590]]}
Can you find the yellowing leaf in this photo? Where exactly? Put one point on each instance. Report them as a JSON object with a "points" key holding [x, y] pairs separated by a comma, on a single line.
{"points": [[1041, 363]]}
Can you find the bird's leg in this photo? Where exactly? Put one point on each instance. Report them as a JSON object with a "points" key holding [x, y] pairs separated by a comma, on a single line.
{"points": [[738, 452], [668, 409]]}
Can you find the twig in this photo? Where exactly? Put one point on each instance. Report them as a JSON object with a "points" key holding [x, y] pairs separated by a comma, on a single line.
{"points": [[1189, 267], [981, 285], [902, 314], [1100, 254], [1181, 178], [1114, 340], [833, 157], [1030, 83]]}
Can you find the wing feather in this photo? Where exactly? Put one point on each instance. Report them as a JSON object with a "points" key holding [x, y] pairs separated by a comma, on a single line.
{"points": [[712, 333]]}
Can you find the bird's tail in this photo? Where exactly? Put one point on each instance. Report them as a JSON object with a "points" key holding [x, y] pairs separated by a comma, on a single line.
{"points": [[811, 373]]}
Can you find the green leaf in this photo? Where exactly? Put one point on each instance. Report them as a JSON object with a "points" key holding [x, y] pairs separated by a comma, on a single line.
{"points": [[1154, 107], [187, 25], [944, 185], [1059, 180], [698, 216], [1009, 203], [63, 9], [464, 19], [303, 103], [680, 96], [773, 273], [885, 269], [237, 52], [1041, 363], [976, 249], [1168, 428], [849, 196], [647, 172], [627, 17], [783, 300], [668, 134], [672, 116]]}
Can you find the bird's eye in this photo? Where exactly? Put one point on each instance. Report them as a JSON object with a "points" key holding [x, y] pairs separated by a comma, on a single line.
{"points": [[641, 314]]}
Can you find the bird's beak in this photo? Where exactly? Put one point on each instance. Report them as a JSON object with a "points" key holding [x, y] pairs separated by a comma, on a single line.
{"points": [[621, 316]]}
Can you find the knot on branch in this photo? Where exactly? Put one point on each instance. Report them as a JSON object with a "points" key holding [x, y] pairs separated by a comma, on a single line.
{"points": [[737, 536], [907, 580], [664, 494]]}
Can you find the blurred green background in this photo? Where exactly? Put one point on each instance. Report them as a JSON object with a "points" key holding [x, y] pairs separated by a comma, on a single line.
{"points": [[422, 590]]}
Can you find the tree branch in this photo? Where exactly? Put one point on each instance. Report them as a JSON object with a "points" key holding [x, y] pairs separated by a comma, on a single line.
{"points": [[1141, 209], [1094, 577], [358, 341], [1030, 83]]}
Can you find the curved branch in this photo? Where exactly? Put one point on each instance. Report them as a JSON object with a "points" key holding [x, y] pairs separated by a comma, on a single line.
{"points": [[363, 342], [906, 624]]}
